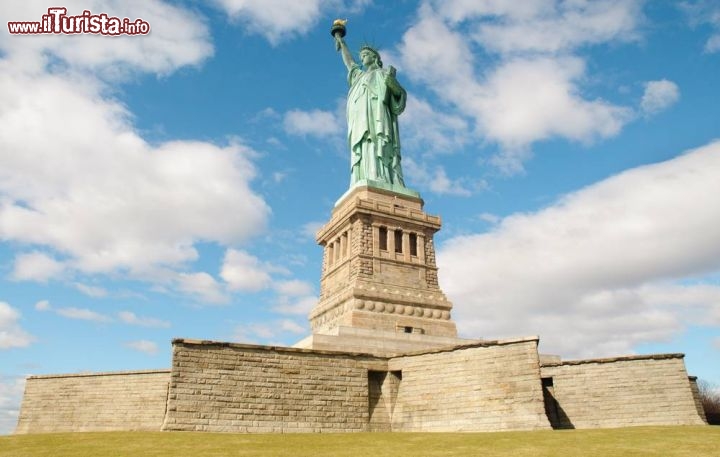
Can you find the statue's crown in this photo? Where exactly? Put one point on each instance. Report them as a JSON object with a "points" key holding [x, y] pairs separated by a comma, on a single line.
{"points": [[368, 47]]}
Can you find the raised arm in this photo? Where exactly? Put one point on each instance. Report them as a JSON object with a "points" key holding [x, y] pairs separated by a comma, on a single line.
{"points": [[344, 51]]}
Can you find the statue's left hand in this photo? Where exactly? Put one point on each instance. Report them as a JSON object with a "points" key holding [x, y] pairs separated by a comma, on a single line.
{"points": [[390, 80]]}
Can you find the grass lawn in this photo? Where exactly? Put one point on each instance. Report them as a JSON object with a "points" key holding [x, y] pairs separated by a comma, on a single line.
{"points": [[626, 442]]}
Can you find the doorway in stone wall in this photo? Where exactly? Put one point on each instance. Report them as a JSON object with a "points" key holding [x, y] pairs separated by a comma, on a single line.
{"points": [[383, 388]]}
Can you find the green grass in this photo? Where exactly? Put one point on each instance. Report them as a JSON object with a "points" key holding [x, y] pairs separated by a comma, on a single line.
{"points": [[626, 442]]}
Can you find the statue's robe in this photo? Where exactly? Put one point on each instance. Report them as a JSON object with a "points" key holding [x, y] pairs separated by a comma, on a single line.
{"points": [[373, 136]]}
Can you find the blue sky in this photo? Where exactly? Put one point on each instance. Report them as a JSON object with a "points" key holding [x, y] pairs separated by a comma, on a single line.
{"points": [[170, 185]]}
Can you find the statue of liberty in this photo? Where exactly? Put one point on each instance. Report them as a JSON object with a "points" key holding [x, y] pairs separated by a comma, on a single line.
{"points": [[374, 102]]}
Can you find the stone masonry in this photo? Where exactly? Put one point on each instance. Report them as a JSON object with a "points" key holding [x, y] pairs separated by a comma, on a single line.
{"points": [[383, 356], [224, 387], [622, 391], [133, 400], [379, 267], [485, 386]]}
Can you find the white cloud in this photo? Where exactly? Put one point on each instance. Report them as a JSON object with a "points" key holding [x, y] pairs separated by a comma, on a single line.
{"points": [[132, 319], [144, 346], [42, 305], [267, 333], [437, 181], [704, 12], [526, 100], [489, 218], [294, 288], [547, 26], [178, 37], [11, 334], [73, 313], [203, 286], [289, 326], [658, 96], [296, 306], [597, 272], [244, 272], [277, 20], [532, 91], [91, 291], [427, 129], [11, 392], [36, 266], [274, 19], [294, 297], [315, 123], [310, 229], [83, 184], [82, 314], [713, 44]]}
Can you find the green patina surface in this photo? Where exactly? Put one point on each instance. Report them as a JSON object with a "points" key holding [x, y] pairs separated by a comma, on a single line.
{"points": [[374, 102]]}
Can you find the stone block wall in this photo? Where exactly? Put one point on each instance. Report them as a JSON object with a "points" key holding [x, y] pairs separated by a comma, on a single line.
{"points": [[487, 386], [620, 392], [477, 386], [94, 402], [226, 387], [698, 399]]}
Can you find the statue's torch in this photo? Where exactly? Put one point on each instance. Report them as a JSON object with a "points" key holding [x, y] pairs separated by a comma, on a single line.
{"points": [[338, 31]]}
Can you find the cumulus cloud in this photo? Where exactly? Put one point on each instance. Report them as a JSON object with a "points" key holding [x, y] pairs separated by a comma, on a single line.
{"points": [[293, 327], [427, 129], [705, 12], [295, 306], [267, 333], [658, 96], [436, 180], [144, 346], [11, 392], [314, 123], [72, 312], [294, 298], [294, 288], [36, 266], [309, 229], [42, 305], [12, 334], [132, 319], [244, 272], [281, 19], [547, 26], [202, 286], [91, 291], [599, 271], [83, 314], [82, 187], [178, 38], [532, 87], [713, 44]]}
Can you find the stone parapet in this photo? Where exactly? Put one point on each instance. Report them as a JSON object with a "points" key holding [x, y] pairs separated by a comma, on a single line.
{"points": [[131, 400], [620, 392], [480, 386], [222, 387]]}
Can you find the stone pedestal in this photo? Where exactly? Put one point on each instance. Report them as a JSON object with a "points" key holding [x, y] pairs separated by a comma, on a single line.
{"points": [[379, 269]]}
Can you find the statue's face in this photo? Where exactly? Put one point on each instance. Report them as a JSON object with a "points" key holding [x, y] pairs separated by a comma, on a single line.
{"points": [[367, 57]]}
